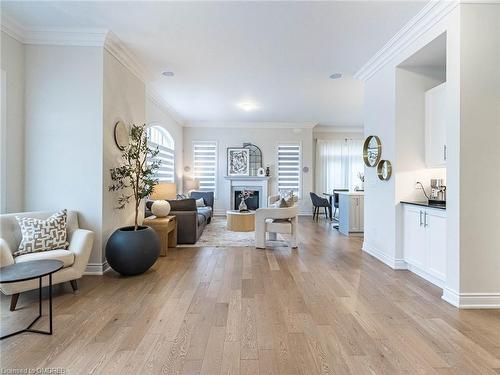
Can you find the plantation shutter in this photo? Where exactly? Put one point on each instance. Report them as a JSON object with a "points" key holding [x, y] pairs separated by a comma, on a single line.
{"points": [[158, 137], [205, 164], [289, 168]]}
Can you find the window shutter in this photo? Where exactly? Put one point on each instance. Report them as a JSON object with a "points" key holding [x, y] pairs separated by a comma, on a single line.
{"points": [[205, 164], [158, 137], [289, 168]]}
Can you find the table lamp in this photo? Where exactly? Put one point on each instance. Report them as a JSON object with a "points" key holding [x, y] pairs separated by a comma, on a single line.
{"points": [[162, 192], [191, 185]]}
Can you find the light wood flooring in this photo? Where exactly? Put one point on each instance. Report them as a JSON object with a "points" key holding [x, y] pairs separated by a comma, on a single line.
{"points": [[326, 308]]}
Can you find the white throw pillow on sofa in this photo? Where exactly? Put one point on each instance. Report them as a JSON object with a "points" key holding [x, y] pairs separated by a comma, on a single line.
{"points": [[200, 202]]}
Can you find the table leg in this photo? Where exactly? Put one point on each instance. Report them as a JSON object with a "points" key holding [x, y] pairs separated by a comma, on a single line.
{"points": [[172, 237], [330, 201]]}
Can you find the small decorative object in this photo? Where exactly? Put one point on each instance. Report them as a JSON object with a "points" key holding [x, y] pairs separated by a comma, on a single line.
{"points": [[121, 135], [160, 208], [305, 169], [268, 172], [372, 150], [238, 162], [261, 172], [134, 249], [255, 158], [245, 194], [187, 168], [384, 170], [361, 177]]}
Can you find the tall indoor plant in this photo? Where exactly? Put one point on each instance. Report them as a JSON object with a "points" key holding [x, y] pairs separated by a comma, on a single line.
{"points": [[133, 249]]}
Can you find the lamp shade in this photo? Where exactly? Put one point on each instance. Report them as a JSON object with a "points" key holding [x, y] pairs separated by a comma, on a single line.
{"points": [[191, 184], [164, 191]]}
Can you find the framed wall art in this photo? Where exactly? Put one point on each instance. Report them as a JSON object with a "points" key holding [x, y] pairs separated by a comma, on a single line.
{"points": [[238, 161]]}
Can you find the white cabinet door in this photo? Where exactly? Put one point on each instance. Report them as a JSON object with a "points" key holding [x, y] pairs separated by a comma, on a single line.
{"points": [[436, 244], [414, 237], [435, 126], [354, 214], [361, 211]]}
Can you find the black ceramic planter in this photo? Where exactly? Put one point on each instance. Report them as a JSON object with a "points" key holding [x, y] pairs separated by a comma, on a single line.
{"points": [[131, 252]]}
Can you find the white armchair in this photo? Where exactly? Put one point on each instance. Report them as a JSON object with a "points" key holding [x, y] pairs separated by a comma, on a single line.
{"points": [[75, 258], [275, 220]]}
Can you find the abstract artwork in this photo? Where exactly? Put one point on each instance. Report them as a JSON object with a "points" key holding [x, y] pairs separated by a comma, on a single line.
{"points": [[238, 162]]}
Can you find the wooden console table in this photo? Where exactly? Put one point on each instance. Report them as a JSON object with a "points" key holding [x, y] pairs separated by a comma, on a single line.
{"points": [[166, 227]]}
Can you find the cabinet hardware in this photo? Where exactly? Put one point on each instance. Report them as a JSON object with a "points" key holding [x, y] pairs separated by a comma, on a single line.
{"points": [[425, 220], [420, 218], [444, 153]]}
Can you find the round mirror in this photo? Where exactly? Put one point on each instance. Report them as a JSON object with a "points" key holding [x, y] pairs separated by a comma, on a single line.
{"points": [[121, 135], [384, 170], [372, 150]]}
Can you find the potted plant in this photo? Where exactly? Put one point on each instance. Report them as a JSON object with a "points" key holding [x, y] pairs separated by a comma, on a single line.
{"points": [[132, 250]]}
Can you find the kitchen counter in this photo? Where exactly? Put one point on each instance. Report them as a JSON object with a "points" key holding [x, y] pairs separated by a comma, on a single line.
{"points": [[356, 193], [425, 204]]}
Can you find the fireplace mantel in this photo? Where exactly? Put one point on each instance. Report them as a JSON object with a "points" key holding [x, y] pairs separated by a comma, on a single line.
{"points": [[249, 182]]}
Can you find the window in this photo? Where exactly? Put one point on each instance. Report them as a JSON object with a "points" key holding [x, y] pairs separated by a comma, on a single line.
{"points": [[289, 168], [159, 137], [205, 164], [338, 164]]}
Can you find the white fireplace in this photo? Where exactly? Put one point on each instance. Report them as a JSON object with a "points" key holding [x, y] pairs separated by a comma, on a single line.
{"points": [[260, 184]]}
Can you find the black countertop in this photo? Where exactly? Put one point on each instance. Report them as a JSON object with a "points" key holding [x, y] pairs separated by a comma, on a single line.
{"points": [[425, 204]]}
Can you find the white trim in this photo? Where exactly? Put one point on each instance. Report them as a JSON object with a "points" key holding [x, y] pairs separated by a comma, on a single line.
{"points": [[425, 275], [471, 300], [338, 129], [430, 14], [251, 125], [12, 28], [3, 143], [97, 268], [395, 264], [162, 105], [116, 48]]}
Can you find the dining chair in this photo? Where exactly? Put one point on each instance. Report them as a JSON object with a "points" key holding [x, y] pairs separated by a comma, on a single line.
{"points": [[319, 203]]}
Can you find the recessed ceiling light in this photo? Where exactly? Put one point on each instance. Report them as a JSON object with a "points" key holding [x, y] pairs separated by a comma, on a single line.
{"points": [[248, 106], [168, 73], [336, 76]]}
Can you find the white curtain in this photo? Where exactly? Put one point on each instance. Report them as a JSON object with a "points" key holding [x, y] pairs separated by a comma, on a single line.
{"points": [[338, 163]]}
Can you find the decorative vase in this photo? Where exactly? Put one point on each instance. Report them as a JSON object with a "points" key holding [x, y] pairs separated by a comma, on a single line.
{"points": [[160, 208], [243, 205], [132, 252], [268, 172]]}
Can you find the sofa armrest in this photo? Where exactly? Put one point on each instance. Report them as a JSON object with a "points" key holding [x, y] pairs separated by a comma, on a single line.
{"points": [[81, 245], [6, 258], [187, 226]]}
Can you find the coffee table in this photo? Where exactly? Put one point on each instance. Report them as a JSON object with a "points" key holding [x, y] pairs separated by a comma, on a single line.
{"points": [[240, 221], [35, 269]]}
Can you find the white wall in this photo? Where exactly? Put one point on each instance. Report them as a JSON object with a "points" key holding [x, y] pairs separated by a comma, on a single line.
{"points": [[124, 99], [63, 132], [156, 114], [479, 150], [267, 140], [12, 145]]}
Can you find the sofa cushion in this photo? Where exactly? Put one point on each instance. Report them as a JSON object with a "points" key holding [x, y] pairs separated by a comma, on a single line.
{"points": [[182, 205], [65, 256], [42, 235], [201, 219], [205, 211]]}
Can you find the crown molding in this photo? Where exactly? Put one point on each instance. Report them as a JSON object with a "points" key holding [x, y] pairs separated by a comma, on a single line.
{"points": [[251, 125], [158, 100], [430, 14], [115, 47], [338, 129], [12, 28]]}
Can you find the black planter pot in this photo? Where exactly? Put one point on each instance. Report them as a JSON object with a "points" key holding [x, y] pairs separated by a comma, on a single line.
{"points": [[131, 252]]}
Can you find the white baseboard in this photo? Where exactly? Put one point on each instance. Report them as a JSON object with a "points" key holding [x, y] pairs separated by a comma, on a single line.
{"points": [[472, 300], [395, 264], [96, 268], [425, 275]]}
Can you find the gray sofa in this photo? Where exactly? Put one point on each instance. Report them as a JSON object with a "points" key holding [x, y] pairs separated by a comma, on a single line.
{"points": [[191, 220]]}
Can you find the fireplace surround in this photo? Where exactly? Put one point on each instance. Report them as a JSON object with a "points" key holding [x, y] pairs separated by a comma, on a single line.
{"points": [[260, 185]]}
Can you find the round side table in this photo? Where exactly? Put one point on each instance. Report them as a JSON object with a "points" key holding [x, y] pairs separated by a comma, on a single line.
{"points": [[240, 221], [35, 269]]}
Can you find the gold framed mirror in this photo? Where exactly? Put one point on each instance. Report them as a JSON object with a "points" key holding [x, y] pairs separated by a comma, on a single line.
{"points": [[121, 134], [384, 170], [372, 150]]}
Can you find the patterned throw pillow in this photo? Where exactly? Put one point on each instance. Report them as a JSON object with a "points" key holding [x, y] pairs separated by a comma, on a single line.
{"points": [[41, 235]]}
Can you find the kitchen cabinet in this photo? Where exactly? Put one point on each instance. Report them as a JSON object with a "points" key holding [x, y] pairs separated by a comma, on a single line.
{"points": [[351, 212], [424, 242], [435, 126]]}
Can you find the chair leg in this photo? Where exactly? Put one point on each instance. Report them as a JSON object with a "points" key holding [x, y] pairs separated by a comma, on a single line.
{"points": [[74, 285], [13, 301], [326, 214]]}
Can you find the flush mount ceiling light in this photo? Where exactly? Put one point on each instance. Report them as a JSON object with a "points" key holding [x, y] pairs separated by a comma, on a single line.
{"points": [[336, 76], [248, 106], [167, 73]]}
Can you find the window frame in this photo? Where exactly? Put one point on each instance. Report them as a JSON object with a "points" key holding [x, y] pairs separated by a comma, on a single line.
{"points": [[290, 143], [216, 161], [170, 138]]}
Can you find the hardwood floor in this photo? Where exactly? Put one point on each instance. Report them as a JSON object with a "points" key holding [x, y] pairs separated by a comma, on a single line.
{"points": [[324, 308]]}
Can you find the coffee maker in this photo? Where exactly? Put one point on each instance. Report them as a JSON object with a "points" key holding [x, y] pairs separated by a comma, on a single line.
{"points": [[438, 192]]}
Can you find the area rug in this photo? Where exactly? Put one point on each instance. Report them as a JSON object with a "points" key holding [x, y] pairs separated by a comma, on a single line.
{"points": [[216, 234]]}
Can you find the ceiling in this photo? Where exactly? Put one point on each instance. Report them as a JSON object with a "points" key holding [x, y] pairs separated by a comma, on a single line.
{"points": [[277, 55]]}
